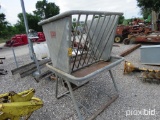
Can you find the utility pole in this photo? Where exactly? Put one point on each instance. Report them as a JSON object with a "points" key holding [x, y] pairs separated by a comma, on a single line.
{"points": [[31, 50], [154, 20]]}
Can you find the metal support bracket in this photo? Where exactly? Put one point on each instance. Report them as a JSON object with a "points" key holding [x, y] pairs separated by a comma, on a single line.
{"points": [[77, 104]]}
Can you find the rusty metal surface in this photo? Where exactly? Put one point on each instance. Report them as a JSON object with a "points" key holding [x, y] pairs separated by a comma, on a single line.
{"points": [[114, 61], [122, 30], [143, 37], [154, 37], [126, 52], [87, 70]]}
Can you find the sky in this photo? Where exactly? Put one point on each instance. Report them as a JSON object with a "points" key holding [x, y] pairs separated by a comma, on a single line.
{"points": [[11, 8]]}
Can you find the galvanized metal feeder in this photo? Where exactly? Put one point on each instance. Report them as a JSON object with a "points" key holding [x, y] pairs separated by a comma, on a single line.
{"points": [[81, 48]]}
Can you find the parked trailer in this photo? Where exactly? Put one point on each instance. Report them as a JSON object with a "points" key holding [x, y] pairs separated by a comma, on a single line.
{"points": [[17, 40], [153, 37], [21, 39]]}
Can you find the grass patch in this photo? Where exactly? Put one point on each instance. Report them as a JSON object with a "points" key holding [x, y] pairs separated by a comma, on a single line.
{"points": [[2, 40]]}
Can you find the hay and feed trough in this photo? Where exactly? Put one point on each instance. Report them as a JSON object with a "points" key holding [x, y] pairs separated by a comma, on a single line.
{"points": [[80, 44]]}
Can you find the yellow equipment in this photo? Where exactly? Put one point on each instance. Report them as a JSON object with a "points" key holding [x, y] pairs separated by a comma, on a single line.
{"points": [[14, 106], [146, 73], [129, 67]]}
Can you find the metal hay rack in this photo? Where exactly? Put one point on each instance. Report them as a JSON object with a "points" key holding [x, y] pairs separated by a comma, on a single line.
{"points": [[80, 44]]}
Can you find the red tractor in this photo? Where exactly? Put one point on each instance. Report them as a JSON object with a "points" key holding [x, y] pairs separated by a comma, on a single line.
{"points": [[136, 27], [21, 39], [121, 33]]}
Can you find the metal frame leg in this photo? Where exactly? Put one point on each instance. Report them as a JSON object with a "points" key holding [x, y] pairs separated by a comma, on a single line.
{"points": [[74, 101], [76, 106], [65, 93], [56, 95], [15, 59], [101, 109], [113, 80]]}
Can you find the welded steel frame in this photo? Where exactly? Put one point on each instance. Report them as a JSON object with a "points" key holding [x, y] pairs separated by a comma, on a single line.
{"points": [[99, 38]]}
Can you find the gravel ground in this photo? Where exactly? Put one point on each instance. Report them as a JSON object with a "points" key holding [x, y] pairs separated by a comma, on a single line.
{"points": [[134, 95]]}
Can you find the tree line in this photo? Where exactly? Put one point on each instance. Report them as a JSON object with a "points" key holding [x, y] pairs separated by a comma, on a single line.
{"points": [[147, 6], [44, 9]]}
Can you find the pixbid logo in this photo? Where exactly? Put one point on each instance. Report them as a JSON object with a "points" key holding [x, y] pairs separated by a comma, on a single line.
{"points": [[141, 112]]}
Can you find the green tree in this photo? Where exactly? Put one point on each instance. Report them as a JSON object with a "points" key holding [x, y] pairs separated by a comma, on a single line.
{"points": [[3, 25], [153, 6], [121, 19], [149, 4], [3, 22], [45, 9], [32, 23], [146, 12]]}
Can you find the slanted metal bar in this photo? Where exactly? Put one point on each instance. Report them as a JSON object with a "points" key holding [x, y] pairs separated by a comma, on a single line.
{"points": [[56, 94], [84, 44], [67, 92], [74, 101], [114, 83], [103, 35], [91, 40], [104, 47], [87, 35], [15, 59], [80, 40], [87, 41], [114, 26], [74, 39], [81, 105], [96, 39], [74, 36]]}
